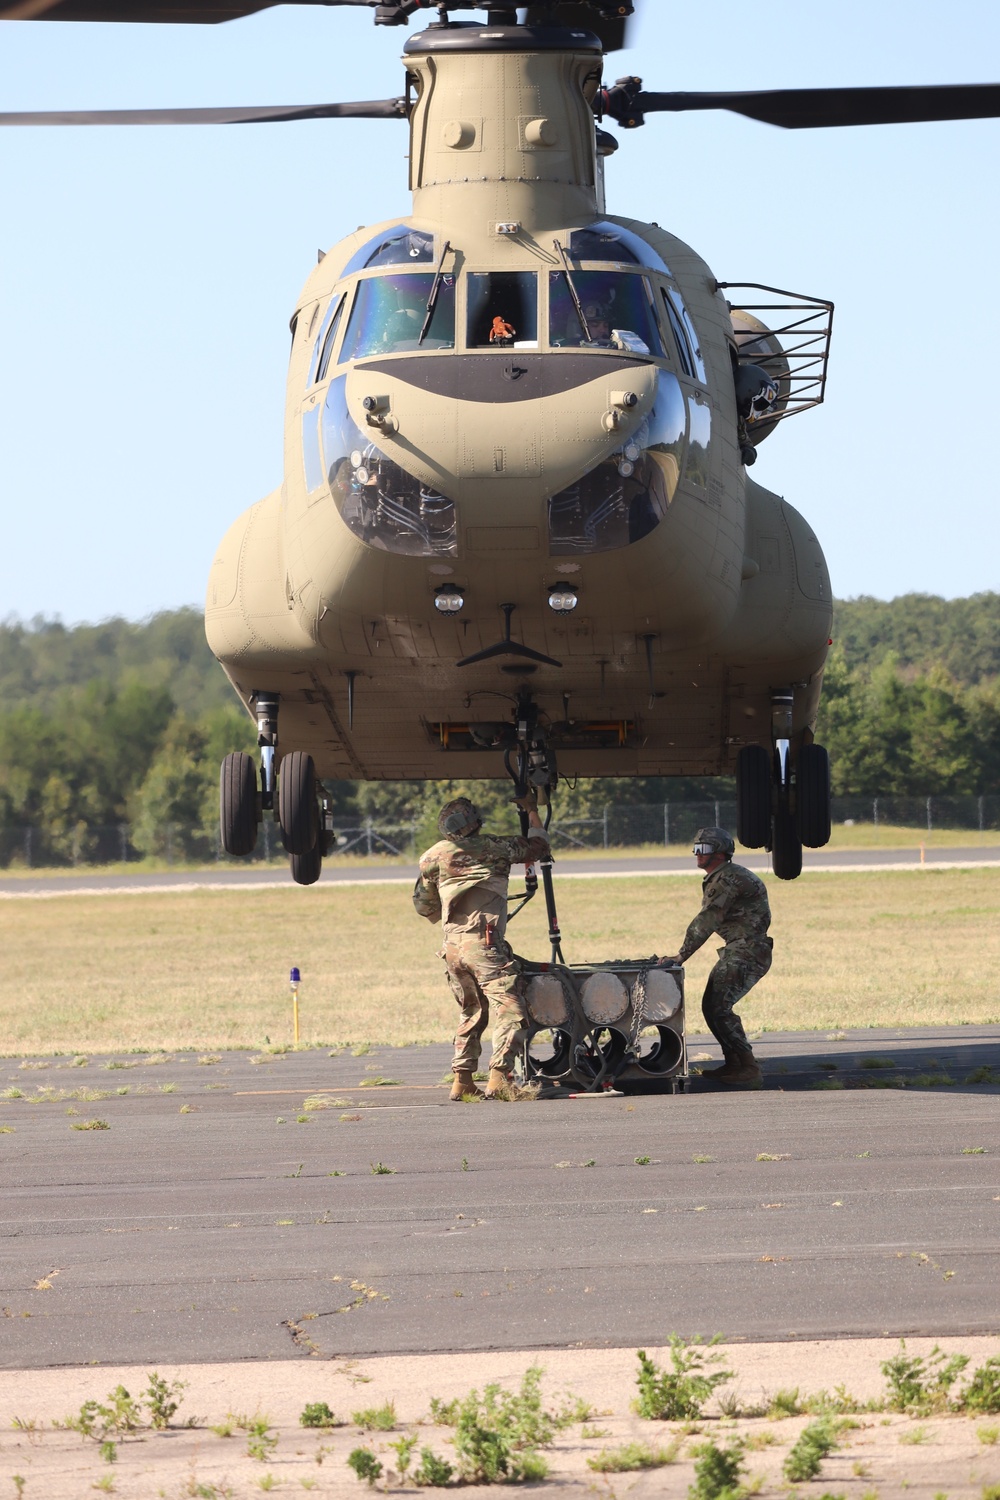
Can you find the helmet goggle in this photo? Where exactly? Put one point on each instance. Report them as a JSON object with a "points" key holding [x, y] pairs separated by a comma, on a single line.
{"points": [[703, 848]]}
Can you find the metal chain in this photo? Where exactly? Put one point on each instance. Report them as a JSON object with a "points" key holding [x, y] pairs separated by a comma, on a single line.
{"points": [[639, 1006]]}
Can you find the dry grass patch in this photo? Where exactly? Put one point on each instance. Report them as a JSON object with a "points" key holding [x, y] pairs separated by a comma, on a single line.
{"points": [[850, 950]]}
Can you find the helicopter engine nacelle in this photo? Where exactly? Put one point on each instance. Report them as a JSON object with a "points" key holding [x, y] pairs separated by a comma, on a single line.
{"points": [[757, 347]]}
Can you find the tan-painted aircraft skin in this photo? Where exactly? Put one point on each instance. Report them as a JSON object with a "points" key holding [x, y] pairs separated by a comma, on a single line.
{"points": [[680, 635]]}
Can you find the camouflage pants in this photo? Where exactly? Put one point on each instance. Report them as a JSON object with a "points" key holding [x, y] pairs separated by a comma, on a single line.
{"points": [[481, 968], [739, 967]]}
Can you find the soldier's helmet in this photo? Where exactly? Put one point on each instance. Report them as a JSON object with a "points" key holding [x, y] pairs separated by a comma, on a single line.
{"points": [[459, 818], [714, 841]]}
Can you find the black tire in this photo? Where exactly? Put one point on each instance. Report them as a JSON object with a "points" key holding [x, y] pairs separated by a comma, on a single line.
{"points": [[786, 846], [298, 813], [238, 814], [812, 796], [306, 867], [753, 796]]}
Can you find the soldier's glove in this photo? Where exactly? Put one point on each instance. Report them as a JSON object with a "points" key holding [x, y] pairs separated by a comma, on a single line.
{"points": [[529, 801]]}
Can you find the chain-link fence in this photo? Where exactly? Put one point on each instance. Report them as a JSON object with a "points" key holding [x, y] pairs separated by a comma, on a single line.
{"points": [[618, 825]]}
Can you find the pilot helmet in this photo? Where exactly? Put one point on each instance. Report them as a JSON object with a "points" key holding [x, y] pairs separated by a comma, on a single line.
{"points": [[714, 841], [459, 818]]}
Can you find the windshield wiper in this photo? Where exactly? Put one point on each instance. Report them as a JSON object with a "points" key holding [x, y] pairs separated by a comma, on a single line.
{"points": [[435, 289], [573, 293]]}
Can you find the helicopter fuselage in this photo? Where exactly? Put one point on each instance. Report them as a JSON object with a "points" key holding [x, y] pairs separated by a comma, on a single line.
{"points": [[510, 398]]}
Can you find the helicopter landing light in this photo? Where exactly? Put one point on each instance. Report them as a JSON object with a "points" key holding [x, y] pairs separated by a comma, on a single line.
{"points": [[449, 601], [563, 598]]}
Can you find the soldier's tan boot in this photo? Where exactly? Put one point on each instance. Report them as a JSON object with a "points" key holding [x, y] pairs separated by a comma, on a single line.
{"points": [[498, 1083], [745, 1074], [464, 1086]]}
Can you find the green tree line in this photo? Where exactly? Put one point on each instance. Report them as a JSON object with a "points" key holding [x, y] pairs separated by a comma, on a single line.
{"points": [[125, 723]]}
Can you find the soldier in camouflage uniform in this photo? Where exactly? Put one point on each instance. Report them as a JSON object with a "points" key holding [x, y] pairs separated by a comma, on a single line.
{"points": [[734, 904], [463, 883]]}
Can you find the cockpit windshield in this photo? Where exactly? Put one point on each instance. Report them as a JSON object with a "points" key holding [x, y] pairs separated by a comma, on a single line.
{"points": [[399, 246], [617, 308], [389, 313], [607, 241]]}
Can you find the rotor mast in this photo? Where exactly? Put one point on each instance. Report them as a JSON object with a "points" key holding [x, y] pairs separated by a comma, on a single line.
{"points": [[502, 132]]}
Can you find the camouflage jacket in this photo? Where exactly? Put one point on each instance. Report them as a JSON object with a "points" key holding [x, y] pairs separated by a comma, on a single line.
{"points": [[456, 865], [734, 904]]}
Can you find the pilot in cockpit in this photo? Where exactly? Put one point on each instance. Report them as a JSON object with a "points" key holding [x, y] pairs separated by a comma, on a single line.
{"points": [[598, 323]]}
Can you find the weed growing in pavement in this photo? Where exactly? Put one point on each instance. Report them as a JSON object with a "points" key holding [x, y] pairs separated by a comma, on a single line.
{"points": [[784, 1403], [106, 1483], [974, 1151], [985, 1074], [378, 1082], [323, 1101], [631, 1456], [915, 1435], [497, 1435], [717, 1472], [990, 1436], [118, 1413], [982, 1394], [874, 1064], [403, 1448], [109, 1451], [678, 1394], [379, 1169], [771, 1156], [376, 1418], [702, 1160], [431, 1470], [162, 1399], [90, 1125], [19, 1482], [917, 1385], [814, 1443], [261, 1442], [365, 1464], [317, 1414]]}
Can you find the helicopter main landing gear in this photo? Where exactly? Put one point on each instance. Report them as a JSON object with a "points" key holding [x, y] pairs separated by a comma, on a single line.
{"points": [[783, 800], [290, 790]]}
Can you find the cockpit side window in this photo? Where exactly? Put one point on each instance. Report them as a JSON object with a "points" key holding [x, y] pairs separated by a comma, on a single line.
{"points": [[326, 349], [688, 345], [331, 312], [389, 314], [502, 309], [617, 308]]}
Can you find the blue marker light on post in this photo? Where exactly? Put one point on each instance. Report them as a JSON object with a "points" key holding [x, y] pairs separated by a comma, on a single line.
{"points": [[295, 979]]}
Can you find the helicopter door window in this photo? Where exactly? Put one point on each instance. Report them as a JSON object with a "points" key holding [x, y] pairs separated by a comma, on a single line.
{"points": [[688, 346], [699, 437], [389, 313], [618, 310], [328, 338], [312, 461], [502, 309]]}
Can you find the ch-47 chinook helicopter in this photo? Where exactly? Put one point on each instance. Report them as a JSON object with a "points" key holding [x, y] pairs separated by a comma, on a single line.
{"points": [[516, 521]]}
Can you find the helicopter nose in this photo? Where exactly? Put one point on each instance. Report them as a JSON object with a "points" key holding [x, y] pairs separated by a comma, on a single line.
{"points": [[519, 423]]}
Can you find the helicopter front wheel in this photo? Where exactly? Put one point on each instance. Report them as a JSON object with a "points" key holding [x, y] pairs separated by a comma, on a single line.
{"points": [[306, 867], [298, 811], [239, 810]]}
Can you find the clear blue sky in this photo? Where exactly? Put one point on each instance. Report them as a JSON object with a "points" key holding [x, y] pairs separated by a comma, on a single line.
{"points": [[147, 277]]}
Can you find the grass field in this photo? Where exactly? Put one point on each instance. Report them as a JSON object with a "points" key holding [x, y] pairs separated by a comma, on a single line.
{"points": [[210, 968]]}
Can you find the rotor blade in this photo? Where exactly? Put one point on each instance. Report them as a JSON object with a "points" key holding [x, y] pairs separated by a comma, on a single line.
{"points": [[186, 12], [374, 109], [579, 15], [803, 109]]}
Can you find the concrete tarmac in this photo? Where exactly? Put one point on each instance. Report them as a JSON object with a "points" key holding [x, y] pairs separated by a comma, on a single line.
{"points": [[351, 872], [217, 1218]]}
